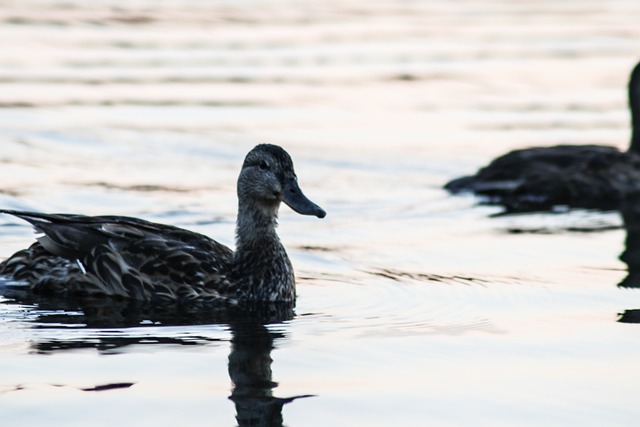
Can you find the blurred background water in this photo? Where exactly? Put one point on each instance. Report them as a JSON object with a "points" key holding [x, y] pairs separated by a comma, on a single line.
{"points": [[415, 307]]}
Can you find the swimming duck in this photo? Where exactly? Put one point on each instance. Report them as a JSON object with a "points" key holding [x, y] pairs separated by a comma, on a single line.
{"points": [[578, 176], [130, 258]]}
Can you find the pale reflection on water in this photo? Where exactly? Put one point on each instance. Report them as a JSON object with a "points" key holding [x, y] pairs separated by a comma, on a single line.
{"points": [[415, 307]]}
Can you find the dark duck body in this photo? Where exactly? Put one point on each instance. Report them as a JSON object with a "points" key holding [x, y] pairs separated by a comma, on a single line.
{"points": [[129, 258], [575, 176]]}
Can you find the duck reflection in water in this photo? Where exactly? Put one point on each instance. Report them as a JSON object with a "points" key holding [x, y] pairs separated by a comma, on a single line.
{"points": [[630, 212], [631, 254], [250, 371], [249, 362]]}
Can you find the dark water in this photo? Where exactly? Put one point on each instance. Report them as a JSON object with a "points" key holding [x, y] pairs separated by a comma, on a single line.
{"points": [[415, 307]]}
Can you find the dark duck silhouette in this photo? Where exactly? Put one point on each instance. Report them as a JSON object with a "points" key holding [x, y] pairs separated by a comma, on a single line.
{"points": [[631, 255], [575, 176], [132, 259], [250, 371]]}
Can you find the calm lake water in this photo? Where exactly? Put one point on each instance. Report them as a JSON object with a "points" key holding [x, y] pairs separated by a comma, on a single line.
{"points": [[415, 307]]}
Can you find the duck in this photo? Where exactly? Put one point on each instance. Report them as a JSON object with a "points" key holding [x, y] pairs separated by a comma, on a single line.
{"points": [[563, 176], [132, 259]]}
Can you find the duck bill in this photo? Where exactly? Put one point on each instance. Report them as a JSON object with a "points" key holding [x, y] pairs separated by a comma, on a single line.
{"points": [[296, 200]]}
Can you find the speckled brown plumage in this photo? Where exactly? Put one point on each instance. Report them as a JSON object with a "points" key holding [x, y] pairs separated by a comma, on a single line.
{"points": [[135, 259]]}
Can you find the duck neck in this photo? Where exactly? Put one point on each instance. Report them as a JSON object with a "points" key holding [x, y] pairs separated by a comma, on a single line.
{"points": [[261, 265], [255, 227], [634, 146], [634, 106]]}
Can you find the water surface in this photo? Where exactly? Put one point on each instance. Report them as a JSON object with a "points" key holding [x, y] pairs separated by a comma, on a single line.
{"points": [[415, 307]]}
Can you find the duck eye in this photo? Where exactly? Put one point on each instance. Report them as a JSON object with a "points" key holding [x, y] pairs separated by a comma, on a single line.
{"points": [[264, 165]]}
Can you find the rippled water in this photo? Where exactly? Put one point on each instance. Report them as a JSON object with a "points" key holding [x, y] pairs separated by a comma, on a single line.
{"points": [[415, 307]]}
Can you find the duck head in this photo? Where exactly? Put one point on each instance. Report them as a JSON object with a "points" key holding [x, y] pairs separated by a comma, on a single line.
{"points": [[268, 178]]}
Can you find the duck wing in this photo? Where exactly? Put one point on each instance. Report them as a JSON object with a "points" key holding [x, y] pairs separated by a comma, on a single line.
{"points": [[518, 164], [73, 236], [588, 176], [133, 258], [508, 172]]}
